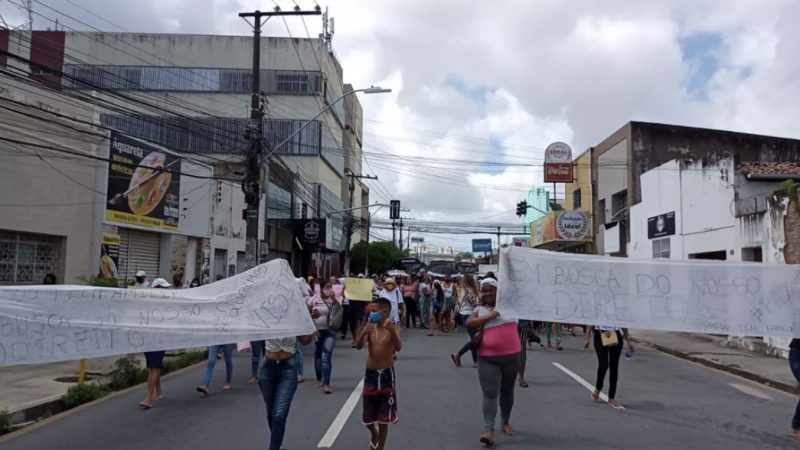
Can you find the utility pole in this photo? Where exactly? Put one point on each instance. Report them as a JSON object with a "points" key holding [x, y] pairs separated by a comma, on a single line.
{"points": [[498, 245], [400, 241], [349, 219], [251, 184]]}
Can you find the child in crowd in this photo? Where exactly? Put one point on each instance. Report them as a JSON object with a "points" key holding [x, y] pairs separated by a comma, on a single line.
{"points": [[380, 401]]}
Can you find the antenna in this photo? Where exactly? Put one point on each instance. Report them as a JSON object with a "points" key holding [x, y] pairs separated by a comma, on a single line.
{"points": [[29, 8]]}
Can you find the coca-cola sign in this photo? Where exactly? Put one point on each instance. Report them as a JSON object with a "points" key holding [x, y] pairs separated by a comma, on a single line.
{"points": [[558, 163]]}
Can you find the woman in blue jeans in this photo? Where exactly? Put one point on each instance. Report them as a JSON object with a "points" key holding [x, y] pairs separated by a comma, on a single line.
{"points": [[794, 364], [468, 300], [320, 306], [213, 351], [277, 378]]}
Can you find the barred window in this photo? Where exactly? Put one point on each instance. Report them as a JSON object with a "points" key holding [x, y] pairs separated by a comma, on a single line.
{"points": [[27, 258]]}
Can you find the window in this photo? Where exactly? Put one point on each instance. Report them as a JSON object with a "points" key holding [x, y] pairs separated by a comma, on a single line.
{"points": [[619, 202], [27, 258], [661, 248], [576, 199], [190, 79]]}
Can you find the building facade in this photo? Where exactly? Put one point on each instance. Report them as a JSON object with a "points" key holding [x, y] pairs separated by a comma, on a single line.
{"points": [[190, 95]]}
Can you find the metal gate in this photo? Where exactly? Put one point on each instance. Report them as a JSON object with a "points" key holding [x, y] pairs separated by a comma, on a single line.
{"points": [[138, 250]]}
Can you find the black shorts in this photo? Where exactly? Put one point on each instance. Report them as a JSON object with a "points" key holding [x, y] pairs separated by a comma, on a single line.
{"points": [[154, 360], [356, 312], [380, 397]]}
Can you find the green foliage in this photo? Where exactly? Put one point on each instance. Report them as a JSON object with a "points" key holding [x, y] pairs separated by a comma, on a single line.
{"points": [[80, 394], [184, 360], [99, 281], [5, 421], [789, 188], [128, 373], [464, 256], [382, 256]]}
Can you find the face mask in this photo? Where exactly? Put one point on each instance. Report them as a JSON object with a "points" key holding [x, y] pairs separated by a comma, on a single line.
{"points": [[375, 316]]}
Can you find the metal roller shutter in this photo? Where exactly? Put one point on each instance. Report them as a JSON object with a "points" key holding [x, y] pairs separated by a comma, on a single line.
{"points": [[138, 250]]}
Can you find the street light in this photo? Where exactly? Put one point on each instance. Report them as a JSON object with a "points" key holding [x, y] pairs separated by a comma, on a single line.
{"points": [[369, 90]]}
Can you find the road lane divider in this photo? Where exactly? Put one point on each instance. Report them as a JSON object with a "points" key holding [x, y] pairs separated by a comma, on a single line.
{"points": [[338, 423], [583, 382]]}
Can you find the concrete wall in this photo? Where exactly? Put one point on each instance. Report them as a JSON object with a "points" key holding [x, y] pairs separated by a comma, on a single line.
{"points": [[57, 190]]}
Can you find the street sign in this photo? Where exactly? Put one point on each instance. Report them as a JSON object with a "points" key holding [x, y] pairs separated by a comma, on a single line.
{"points": [[481, 245], [558, 163], [394, 209]]}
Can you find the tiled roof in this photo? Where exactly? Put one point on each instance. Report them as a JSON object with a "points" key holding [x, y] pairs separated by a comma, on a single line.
{"points": [[771, 168]]}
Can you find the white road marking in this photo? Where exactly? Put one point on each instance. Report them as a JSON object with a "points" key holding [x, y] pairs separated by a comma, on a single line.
{"points": [[750, 391], [330, 436], [583, 382]]}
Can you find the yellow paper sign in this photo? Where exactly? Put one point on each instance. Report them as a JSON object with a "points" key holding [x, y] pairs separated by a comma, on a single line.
{"points": [[359, 289]]}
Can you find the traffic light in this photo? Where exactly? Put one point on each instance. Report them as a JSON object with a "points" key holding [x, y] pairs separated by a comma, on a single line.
{"points": [[394, 209], [522, 208]]}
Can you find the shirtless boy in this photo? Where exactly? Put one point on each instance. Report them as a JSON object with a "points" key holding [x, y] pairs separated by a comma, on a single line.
{"points": [[380, 401]]}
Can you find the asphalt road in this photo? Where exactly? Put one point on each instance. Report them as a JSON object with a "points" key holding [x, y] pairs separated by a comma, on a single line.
{"points": [[670, 404]]}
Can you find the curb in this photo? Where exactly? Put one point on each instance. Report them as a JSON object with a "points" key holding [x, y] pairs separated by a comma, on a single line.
{"points": [[47, 420], [789, 389]]}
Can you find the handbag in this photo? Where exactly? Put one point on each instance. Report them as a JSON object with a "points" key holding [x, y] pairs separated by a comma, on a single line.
{"points": [[335, 315], [609, 338], [477, 338]]}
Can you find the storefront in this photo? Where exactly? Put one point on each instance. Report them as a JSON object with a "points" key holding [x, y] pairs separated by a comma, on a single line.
{"points": [[157, 209], [563, 231]]}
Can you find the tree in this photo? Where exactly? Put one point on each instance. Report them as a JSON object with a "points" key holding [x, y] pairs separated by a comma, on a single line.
{"points": [[463, 256], [382, 256]]}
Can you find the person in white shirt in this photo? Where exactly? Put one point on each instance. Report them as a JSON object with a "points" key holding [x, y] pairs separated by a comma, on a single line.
{"points": [[141, 280], [391, 292]]}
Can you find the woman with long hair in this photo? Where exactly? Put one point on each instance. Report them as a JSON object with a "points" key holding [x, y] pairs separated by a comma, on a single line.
{"points": [[320, 306], [424, 289], [498, 356], [409, 299], [608, 347], [468, 300], [436, 305]]}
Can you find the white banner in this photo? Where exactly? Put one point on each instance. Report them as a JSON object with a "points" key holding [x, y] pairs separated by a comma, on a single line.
{"points": [[61, 323], [744, 299]]}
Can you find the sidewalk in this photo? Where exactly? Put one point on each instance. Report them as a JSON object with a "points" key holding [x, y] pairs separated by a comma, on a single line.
{"points": [[29, 391], [712, 351]]}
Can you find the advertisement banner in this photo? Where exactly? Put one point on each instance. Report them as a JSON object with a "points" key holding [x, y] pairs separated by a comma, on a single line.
{"points": [[558, 163], [42, 324], [109, 255], [140, 192], [561, 226], [660, 226], [693, 296], [311, 232]]}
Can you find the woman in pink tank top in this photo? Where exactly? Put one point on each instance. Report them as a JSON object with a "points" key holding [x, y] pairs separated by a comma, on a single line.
{"points": [[498, 361]]}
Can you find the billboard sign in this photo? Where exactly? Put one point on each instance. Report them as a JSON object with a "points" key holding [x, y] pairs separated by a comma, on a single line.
{"points": [[481, 245], [564, 226], [143, 187], [522, 241], [311, 232], [558, 163]]}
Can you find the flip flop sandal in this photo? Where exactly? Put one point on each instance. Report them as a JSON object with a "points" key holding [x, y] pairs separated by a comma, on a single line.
{"points": [[145, 406], [455, 360], [203, 390], [486, 441], [524, 385]]}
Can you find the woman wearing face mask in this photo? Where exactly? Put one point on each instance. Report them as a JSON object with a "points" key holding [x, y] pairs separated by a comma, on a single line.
{"points": [[498, 360], [450, 294], [320, 306]]}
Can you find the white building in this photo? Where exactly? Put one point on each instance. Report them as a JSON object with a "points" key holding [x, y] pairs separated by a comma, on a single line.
{"points": [[191, 94]]}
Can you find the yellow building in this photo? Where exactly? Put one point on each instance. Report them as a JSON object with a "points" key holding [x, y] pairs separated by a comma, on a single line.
{"points": [[571, 230]]}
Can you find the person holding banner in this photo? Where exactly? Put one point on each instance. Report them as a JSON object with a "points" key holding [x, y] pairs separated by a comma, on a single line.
{"points": [[498, 348], [277, 379], [608, 346]]}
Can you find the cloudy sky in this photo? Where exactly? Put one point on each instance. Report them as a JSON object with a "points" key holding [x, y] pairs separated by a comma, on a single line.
{"points": [[498, 81]]}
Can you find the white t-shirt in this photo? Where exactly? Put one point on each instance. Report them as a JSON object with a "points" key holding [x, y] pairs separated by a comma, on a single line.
{"points": [[422, 287], [396, 297]]}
